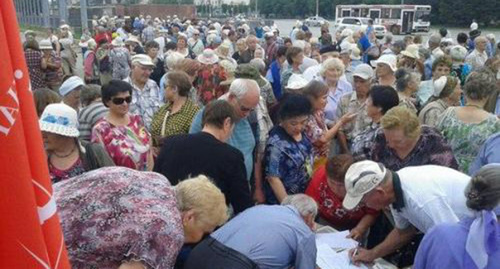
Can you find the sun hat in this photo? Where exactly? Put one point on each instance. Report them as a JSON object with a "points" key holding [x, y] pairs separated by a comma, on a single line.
{"points": [[387, 59], [355, 53], [269, 34], [134, 39], [439, 85], [70, 84], [361, 178], [59, 119], [64, 26], [208, 57], [411, 51], [30, 33], [296, 82], [117, 42], [142, 59], [363, 71], [45, 45]]}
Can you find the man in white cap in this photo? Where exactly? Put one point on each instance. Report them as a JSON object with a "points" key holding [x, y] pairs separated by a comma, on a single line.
{"points": [[385, 67], [354, 103], [419, 198], [70, 92], [146, 94]]}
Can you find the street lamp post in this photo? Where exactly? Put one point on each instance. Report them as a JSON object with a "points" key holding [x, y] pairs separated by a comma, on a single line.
{"points": [[317, 7]]}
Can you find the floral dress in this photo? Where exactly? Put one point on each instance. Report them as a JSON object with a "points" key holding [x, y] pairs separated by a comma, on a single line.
{"points": [[120, 59], [315, 129], [57, 174], [128, 145], [288, 160], [208, 83], [115, 214], [34, 63], [466, 138]]}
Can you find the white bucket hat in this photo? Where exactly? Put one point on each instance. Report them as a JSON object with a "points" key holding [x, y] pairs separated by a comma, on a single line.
{"points": [[59, 119], [208, 57], [363, 71], [387, 59], [411, 51], [142, 59], [296, 82], [70, 84], [45, 45], [361, 178], [117, 42]]}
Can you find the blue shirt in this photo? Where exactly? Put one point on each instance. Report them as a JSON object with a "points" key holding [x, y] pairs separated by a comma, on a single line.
{"points": [[242, 139], [274, 237], [444, 247], [489, 153], [333, 100]]}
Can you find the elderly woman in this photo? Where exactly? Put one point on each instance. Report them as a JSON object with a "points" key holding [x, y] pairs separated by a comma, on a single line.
{"points": [[327, 188], [146, 233], [459, 68], [223, 52], [176, 116], [407, 82], [209, 77], [266, 90], [70, 92], [34, 62], [182, 47], [316, 129], [68, 55], [119, 57], [294, 58], [241, 46], [331, 71], [152, 48], [191, 68], [44, 97], [91, 72], [467, 128], [447, 92], [51, 65], [380, 100], [403, 142], [473, 242], [274, 72], [92, 110], [123, 135], [66, 155], [288, 155]]}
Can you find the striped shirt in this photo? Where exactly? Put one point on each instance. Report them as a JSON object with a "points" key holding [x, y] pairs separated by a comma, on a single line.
{"points": [[88, 117]]}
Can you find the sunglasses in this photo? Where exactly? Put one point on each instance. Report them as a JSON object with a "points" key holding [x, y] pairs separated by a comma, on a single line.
{"points": [[119, 101]]}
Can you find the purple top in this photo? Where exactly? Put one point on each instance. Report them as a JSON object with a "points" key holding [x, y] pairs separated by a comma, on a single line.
{"points": [[333, 100], [444, 247], [116, 214]]}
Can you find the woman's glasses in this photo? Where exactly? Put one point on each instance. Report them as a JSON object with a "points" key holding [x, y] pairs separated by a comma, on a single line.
{"points": [[119, 100]]}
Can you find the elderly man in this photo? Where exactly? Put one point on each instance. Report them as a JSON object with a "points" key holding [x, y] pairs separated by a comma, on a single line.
{"points": [[206, 153], [244, 96], [249, 53], [146, 94], [354, 103], [478, 57], [436, 52], [271, 48], [386, 66], [277, 236], [419, 198]]}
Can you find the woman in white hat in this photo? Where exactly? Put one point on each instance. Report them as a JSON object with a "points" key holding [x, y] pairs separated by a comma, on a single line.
{"points": [[51, 65], [68, 55], [209, 77], [411, 59], [90, 65], [447, 92], [407, 82], [67, 156], [182, 46], [119, 58]]}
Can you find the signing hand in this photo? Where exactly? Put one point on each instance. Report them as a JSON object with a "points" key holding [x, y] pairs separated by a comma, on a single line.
{"points": [[362, 255]]}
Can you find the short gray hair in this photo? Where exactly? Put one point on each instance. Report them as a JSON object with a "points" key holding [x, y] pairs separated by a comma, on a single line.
{"points": [[259, 64], [303, 203], [331, 64], [483, 191], [480, 85], [435, 39], [404, 76], [240, 86]]}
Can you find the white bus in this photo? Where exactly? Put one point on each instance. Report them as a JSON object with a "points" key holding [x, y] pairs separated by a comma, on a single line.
{"points": [[399, 19]]}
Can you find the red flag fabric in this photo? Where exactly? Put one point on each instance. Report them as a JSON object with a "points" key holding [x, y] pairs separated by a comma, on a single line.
{"points": [[30, 232]]}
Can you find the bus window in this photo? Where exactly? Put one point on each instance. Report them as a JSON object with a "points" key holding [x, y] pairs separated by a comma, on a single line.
{"points": [[396, 13], [364, 12], [355, 12], [386, 13], [422, 16], [346, 12]]}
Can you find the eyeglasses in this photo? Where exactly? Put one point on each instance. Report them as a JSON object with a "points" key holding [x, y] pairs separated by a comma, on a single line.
{"points": [[119, 100], [244, 108]]}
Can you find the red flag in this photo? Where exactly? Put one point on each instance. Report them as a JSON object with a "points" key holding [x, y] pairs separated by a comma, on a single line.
{"points": [[30, 233]]}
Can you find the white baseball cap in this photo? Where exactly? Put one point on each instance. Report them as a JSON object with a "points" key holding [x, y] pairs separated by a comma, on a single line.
{"points": [[363, 71], [387, 59], [361, 178], [143, 59]]}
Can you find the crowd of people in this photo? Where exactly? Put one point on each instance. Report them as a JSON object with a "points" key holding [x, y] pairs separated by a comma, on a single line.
{"points": [[258, 137]]}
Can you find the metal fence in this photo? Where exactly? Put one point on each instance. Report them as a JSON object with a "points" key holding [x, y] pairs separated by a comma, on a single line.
{"points": [[44, 13]]}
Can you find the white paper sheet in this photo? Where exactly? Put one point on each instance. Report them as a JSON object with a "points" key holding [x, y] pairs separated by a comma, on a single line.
{"points": [[336, 240], [327, 258]]}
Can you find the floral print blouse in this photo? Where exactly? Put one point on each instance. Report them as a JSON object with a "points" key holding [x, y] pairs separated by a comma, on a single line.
{"points": [[115, 214], [208, 83], [466, 138], [315, 129], [128, 145]]}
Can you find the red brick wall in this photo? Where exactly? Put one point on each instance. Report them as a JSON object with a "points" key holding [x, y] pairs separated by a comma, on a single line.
{"points": [[160, 11]]}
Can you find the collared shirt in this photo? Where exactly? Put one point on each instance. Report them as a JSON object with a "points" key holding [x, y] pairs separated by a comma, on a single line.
{"points": [[349, 103], [148, 34], [476, 59], [274, 237], [343, 87], [242, 139], [146, 101], [431, 148], [431, 195], [489, 153]]}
